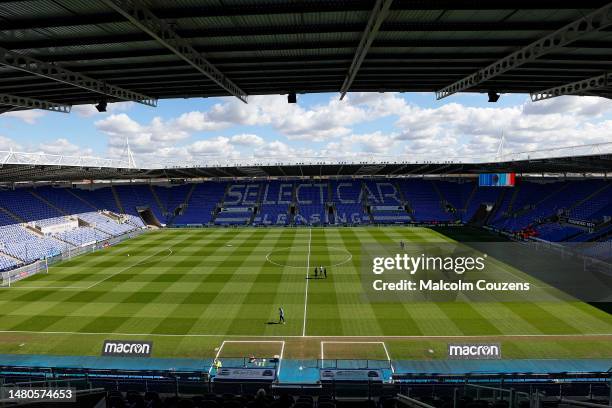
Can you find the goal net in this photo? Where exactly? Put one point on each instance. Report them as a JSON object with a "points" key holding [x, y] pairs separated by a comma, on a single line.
{"points": [[15, 275]]}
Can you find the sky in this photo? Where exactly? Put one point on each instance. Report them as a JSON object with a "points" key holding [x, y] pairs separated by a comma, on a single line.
{"points": [[319, 128]]}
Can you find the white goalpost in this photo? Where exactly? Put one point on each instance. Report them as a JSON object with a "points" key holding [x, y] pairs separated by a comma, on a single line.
{"points": [[15, 275]]}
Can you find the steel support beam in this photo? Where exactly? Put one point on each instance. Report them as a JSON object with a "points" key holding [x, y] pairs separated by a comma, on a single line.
{"points": [[146, 21], [57, 73], [593, 22], [175, 11], [30, 103], [377, 16], [574, 88]]}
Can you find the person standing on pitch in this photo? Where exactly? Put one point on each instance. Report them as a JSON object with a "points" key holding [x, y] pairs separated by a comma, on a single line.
{"points": [[316, 271], [281, 315], [325, 272]]}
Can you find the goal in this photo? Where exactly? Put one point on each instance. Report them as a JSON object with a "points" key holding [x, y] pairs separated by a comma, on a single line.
{"points": [[15, 275]]}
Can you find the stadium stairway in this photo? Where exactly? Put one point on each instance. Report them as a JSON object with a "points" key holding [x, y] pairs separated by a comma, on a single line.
{"points": [[160, 205], [16, 261], [505, 206], [47, 202], [529, 204], [399, 191], [93, 207], [177, 208], [258, 206], [437, 190], [12, 215], [366, 202], [469, 200], [219, 205], [63, 241], [590, 197], [517, 189], [498, 204], [117, 200]]}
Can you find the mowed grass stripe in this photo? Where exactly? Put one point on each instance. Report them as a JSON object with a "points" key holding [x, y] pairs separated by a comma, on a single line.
{"points": [[278, 279], [428, 317], [91, 315], [291, 292], [357, 316], [258, 308], [323, 311], [217, 282], [143, 292], [224, 290], [52, 312], [394, 318], [505, 317]]}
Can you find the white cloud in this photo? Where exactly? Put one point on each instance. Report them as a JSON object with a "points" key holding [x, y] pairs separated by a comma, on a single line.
{"points": [[158, 134], [248, 140], [215, 147], [7, 143], [199, 121], [335, 129], [277, 149], [588, 106], [63, 147], [28, 116]]}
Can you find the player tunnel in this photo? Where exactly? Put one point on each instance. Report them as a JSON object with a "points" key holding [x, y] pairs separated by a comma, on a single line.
{"points": [[148, 217]]}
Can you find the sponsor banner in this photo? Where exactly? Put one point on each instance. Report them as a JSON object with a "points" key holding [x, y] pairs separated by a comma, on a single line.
{"points": [[351, 375], [386, 208], [245, 374], [496, 180], [125, 348], [474, 351], [236, 209], [581, 223]]}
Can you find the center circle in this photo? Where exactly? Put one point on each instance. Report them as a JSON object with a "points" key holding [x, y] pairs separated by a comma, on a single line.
{"points": [[292, 257]]}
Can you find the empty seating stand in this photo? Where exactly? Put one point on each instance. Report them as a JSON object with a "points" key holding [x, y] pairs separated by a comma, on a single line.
{"points": [[545, 206]]}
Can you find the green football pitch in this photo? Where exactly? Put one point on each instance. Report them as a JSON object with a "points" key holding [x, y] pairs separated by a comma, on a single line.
{"points": [[192, 290]]}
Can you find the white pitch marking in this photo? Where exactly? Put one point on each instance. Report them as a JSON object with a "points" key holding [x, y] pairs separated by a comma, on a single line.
{"points": [[388, 357], [280, 359], [350, 342], [348, 259], [246, 336], [131, 266], [382, 343], [170, 252], [216, 357]]}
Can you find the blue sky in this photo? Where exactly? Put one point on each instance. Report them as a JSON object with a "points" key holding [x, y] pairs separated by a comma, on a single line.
{"points": [[372, 127]]}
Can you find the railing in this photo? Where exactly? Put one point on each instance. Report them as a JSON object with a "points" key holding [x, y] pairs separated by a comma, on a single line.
{"points": [[406, 401], [348, 364], [497, 394], [583, 403], [78, 383], [28, 158]]}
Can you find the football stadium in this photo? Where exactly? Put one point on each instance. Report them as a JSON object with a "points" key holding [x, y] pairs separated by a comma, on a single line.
{"points": [[303, 280]]}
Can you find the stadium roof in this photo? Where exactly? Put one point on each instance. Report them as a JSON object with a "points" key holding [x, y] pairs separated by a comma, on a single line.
{"points": [[82, 51], [585, 165]]}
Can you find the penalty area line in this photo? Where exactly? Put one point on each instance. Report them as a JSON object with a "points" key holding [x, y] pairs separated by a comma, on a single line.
{"points": [[280, 358], [380, 343], [140, 263]]}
